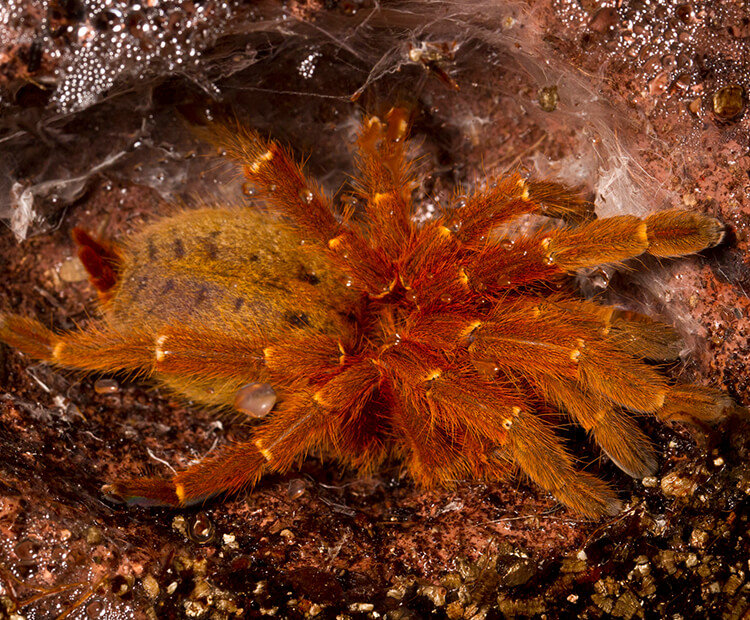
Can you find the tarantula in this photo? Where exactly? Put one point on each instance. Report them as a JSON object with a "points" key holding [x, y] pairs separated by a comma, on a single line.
{"points": [[365, 335]]}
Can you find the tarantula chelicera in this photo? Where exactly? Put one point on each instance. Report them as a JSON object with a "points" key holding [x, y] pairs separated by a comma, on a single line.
{"points": [[367, 335]]}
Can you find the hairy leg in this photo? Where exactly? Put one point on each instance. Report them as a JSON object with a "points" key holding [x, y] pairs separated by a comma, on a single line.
{"points": [[540, 455], [293, 429], [99, 347]]}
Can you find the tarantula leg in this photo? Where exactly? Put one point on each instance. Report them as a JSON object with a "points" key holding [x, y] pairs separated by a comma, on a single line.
{"points": [[521, 340], [620, 378], [613, 239], [355, 419], [632, 333], [448, 418], [646, 339], [544, 256], [316, 357], [486, 209], [560, 201], [676, 233], [285, 188], [274, 172], [28, 336], [695, 404], [539, 454], [602, 241], [433, 453], [209, 355], [465, 399], [494, 269], [233, 467], [615, 433], [510, 197], [294, 428], [98, 347], [386, 180]]}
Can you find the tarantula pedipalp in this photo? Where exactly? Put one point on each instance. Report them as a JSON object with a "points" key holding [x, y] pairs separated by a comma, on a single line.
{"points": [[437, 343]]}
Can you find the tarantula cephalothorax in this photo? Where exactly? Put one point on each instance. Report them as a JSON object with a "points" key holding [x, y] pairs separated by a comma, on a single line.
{"points": [[367, 335]]}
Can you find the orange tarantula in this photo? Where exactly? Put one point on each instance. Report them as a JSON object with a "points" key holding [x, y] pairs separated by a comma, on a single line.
{"points": [[368, 335]]}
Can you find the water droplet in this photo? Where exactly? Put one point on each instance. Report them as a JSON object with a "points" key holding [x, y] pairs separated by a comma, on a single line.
{"points": [[599, 279], [487, 369], [669, 61], [306, 195], [26, 550], [201, 529], [507, 244], [684, 13], [659, 83], [348, 8], [296, 488], [682, 81], [106, 386], [605, 19], [695, 105], [95, 609], [307, 67], [255, 399], [94, 536], [684, 61], [446, 298], [652, 64]]}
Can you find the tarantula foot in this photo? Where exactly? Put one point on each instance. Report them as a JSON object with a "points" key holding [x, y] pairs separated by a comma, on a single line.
{"points": [[590, 497], [148, 492]]}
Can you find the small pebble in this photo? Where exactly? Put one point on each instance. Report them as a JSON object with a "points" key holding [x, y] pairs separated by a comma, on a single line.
{"points": [[675, 485], [151, 586]]}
